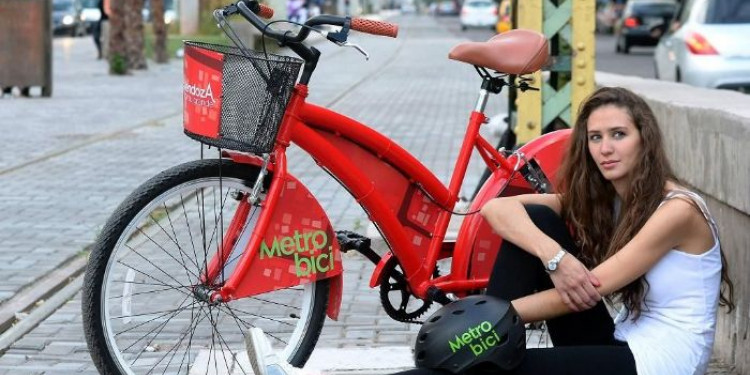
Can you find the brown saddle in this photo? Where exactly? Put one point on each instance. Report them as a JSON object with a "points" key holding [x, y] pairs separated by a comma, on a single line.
{"points": [[516, 51]]}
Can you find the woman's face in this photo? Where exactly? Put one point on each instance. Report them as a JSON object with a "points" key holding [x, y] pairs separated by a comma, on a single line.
{"points": [[614, 142]]}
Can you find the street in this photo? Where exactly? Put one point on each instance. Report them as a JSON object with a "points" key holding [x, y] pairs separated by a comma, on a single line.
{"points": [[102, 136]]}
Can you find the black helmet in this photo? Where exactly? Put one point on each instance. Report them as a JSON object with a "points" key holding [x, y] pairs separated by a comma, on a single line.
{"points": [[475, 330]]}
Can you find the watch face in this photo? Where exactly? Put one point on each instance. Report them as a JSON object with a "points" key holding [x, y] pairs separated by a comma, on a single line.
{"points": [[552, 266]]}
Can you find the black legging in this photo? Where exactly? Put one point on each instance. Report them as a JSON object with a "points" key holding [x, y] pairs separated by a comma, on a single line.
{"points": [[584, 341]]}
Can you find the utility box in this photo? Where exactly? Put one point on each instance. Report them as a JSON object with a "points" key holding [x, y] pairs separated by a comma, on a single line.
{"points": [[26, 45]]}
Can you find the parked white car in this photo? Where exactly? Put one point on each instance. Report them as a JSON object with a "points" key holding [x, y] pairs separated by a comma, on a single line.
{"points": [[478, 13], [707, 45]]}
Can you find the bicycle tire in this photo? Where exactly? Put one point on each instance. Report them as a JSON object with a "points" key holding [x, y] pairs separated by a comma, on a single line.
{"points": [[133, 230]]}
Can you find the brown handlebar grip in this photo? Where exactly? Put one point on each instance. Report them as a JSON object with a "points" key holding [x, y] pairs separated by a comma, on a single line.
{"points": [[375, 27], [265, 11]]}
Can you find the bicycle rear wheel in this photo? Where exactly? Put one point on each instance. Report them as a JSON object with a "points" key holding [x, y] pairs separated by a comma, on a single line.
{"points": [[141, 312]]}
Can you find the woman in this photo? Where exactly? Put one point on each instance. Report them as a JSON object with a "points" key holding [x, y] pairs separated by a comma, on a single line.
{"points": [[639, 237]]}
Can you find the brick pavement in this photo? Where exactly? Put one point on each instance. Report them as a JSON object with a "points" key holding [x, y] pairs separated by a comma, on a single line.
{"points": [[55, 205], [100, 136]]}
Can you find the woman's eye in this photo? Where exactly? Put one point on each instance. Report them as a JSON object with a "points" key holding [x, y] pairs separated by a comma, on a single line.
{"points": [[594, 137], [618, 135]]}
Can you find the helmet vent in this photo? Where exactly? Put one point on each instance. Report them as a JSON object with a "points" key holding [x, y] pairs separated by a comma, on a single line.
{"points": [[458, 312], [423, 337], [482, 302], [435, 319], [421, 355]]}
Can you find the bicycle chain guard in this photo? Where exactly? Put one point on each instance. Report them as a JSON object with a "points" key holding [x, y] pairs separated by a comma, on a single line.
{"points": [[393, 280]]}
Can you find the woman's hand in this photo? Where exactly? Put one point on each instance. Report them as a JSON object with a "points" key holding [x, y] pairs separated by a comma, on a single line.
{"points": [[576, 284]]}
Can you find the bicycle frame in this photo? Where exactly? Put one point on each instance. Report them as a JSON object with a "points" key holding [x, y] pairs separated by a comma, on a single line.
{"points": [[408, 204]]}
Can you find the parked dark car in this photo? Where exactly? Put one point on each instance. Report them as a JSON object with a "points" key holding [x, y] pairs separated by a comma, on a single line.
{"points": [[446, 8], [636, 26], [66, 18]]}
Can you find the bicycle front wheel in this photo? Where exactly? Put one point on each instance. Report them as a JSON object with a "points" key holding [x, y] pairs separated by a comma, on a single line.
{"points": [[143, 311]]}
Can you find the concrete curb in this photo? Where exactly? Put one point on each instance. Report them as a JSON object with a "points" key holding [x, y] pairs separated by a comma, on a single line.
{"points": [[42, 312], [40, 290]]}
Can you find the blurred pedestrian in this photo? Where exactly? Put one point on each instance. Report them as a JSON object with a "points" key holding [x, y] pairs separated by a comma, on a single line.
{"points": [[100, 30]]}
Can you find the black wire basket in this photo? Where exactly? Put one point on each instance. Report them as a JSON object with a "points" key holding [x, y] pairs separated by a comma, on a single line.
{"points": [[235, 98]]}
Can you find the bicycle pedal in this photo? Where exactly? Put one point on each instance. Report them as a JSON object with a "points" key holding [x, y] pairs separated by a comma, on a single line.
{"points": [[349, 240]]}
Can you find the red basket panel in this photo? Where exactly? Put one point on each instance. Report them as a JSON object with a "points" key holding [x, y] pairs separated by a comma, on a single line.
{"points": [[202, 91]]}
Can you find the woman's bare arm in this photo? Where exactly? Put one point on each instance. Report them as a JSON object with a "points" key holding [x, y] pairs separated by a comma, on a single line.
{"points": [[508, 217], [665, 230]]}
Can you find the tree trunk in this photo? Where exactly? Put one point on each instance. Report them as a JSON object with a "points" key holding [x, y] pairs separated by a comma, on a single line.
{"points": [[160, 31], [134, 34], [118, 63]]}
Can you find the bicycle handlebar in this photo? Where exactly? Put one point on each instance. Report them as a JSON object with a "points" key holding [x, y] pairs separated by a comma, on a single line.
{"points": [[375, 27], [265, 11], [251, 10]]}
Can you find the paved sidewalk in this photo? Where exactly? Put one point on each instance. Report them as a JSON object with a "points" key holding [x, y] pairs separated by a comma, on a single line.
{"points": [[72, 158], [68, 161]]}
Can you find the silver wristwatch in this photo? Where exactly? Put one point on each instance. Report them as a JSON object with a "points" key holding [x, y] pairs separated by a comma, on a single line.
{"points": [[555, 261]]}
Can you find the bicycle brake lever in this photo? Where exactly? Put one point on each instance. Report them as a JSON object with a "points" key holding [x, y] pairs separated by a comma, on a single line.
{"points": [[355, 46]]}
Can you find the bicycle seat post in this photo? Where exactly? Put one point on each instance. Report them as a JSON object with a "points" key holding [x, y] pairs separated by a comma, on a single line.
{"points": [[490, 85], [484, 94]]}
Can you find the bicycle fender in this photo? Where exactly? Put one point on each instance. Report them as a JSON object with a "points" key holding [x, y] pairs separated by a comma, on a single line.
{"points": [[377, 273], [299, 246], [476, 243], [243, 158]]}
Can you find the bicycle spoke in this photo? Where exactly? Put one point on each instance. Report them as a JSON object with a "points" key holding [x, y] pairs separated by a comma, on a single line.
{"points": [[146, 292], [162, 249], [182, 253], [190, 343], [177, 311], [223, 343], [216, 222], [174, 348], [275, 303], [248, 325], [190, 232], [153, 264], [202, 219], [174, 240], [165, 312], [144, 323], [144, 283], [263, 317], [161, 283]]}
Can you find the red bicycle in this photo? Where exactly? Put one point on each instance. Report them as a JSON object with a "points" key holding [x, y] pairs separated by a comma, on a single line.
{"points": [[237, 241]]}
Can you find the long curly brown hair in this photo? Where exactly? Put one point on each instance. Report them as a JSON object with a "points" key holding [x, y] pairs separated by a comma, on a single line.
{"points": [[588, 199]]}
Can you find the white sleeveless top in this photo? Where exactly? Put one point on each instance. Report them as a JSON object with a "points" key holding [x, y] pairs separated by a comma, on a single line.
{"points": [[674, 334]]}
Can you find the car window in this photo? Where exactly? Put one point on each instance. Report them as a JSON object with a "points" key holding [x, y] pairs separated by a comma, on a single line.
{"points": [[654, 9], [90, 3], [728, 11], [479, 4], [60, 5]]}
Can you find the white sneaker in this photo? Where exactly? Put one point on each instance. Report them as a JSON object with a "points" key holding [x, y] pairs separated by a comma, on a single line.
{"points": [[262, 357]]}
